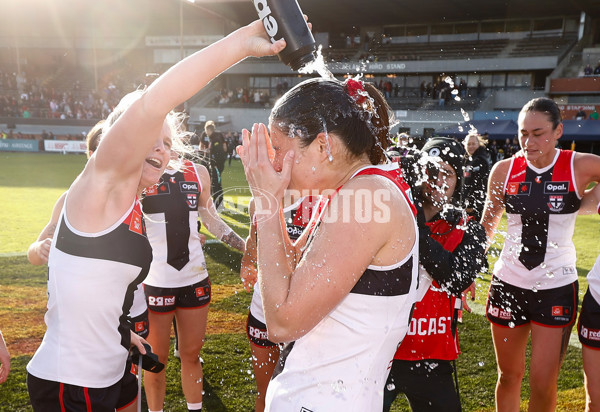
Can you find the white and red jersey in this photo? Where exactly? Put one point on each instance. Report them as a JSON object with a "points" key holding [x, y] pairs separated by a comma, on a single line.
{"points": [[341, 364], [541, 208], [430, 334], [593, 277], [91, 281], [171, 208], [297, 216]]}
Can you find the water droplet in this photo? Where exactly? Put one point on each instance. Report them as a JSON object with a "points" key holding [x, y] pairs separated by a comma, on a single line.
{"points": [[481, 364], [550, 275], [339, 386], [543, 265], [511, 324], [390, 387]]}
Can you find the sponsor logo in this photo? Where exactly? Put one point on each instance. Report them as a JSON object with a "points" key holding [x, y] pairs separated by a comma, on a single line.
{"points": [[584, 332], [192, 200], [499, 313], [557, 310], [135, 224], [538, 179], [257, 333], [200, 292], [161, 300], [516, 188], [517, 175], [140, 326], [556, 203], [159, 189], [188, 186], [593, 334], [569, 270], [556, 187], [429, 326], [294, 231], [172, 179]]}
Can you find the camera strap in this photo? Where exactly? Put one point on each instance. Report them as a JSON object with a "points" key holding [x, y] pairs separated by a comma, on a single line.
{"points": [[139, 379]]}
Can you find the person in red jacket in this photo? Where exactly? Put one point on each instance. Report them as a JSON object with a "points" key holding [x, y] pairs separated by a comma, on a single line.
{"points": [[451, 253]]}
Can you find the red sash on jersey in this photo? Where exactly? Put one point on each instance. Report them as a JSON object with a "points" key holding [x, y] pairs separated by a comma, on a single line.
{"points": [[430, 331], [395, 175]]}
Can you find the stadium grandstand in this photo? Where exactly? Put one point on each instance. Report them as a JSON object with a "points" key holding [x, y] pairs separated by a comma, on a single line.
{"points": [[442, 66]]}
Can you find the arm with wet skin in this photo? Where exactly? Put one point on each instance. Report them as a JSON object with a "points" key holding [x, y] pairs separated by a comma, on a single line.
{"points": [[296, 299], [210, 217], [38, 251], [494, 202]]}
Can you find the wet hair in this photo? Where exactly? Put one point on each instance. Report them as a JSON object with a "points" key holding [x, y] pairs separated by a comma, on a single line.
{"points": [[325, 106], [92, 140], [544, 105], [175, 122]]}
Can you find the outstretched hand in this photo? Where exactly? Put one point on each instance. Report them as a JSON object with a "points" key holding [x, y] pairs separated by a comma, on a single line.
{"points": [[267, 185], [258, 43], [470, 290]]}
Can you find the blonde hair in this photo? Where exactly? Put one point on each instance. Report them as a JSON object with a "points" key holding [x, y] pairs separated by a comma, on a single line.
{"points": [[175, 122], [480, 139]]}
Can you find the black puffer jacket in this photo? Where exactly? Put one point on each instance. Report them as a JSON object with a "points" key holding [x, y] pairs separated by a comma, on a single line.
{"points": [[477, 171]]}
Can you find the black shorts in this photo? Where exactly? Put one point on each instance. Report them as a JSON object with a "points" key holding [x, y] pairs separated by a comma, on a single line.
{"points": [[511, 306], [139, 324], [165, 300], [129, 386], [589, 322], [428, 385], [50, 396], [257, 332]]}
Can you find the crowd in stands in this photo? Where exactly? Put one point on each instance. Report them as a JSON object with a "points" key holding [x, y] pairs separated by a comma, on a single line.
{"points": [[589, 71]]}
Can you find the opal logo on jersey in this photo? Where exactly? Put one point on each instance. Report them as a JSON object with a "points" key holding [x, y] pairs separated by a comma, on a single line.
{"points": [[294, 231], [557, 188], [188, 186]]}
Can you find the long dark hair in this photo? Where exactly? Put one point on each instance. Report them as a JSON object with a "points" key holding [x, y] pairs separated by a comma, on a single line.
{"points": [[321, 105]]}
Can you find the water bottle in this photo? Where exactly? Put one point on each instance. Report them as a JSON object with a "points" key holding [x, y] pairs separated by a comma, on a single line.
{"points": [[284, 19]]}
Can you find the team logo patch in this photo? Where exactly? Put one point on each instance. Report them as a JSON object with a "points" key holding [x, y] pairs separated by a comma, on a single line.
{"points": [[557, 310], [192, 200], [200, 292], [188, 187], [516, 188], [140, 326], [135, 224], [556, 203], [561, 312], [561, 188]]}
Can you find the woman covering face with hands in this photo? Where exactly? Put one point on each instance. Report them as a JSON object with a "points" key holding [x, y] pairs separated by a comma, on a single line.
{"points": [[340, 305]]}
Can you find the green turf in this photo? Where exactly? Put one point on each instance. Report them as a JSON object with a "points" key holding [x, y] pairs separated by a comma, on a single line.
{"points": [[31, 184]]}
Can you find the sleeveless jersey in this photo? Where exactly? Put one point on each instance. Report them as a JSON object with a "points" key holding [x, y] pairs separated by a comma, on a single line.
{"points": [[341, 364], [430, 334], [541, 208], [91, 281], [593, 277], [171, 208], [297, 217]]}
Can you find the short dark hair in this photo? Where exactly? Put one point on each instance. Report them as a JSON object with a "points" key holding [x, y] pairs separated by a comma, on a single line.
{"points": [[544, 105]]}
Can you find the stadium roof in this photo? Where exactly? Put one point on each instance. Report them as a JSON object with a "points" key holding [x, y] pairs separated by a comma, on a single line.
{"points": [[348, 13]]}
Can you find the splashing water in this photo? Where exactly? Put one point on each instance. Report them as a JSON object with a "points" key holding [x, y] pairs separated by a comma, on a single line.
{"points": [[339, 386], [318, 65], [390, 387], [465, 115], [329, 156]]}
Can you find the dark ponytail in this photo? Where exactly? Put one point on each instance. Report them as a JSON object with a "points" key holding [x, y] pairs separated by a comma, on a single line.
{"points": [[321, 105]]}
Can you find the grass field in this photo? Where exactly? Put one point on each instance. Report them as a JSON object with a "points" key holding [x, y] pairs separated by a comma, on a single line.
{"points": [[32, 182]]}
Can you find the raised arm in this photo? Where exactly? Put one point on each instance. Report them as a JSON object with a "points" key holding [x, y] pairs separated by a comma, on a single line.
{"points": [[209, 216], [494, 202], [38, 251], [248, 270], [590, 201]]}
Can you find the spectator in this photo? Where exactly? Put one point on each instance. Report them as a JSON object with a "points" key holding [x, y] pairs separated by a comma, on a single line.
{"points": [[217, 149], [581, 115], [587, 70], [476, 174]]}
